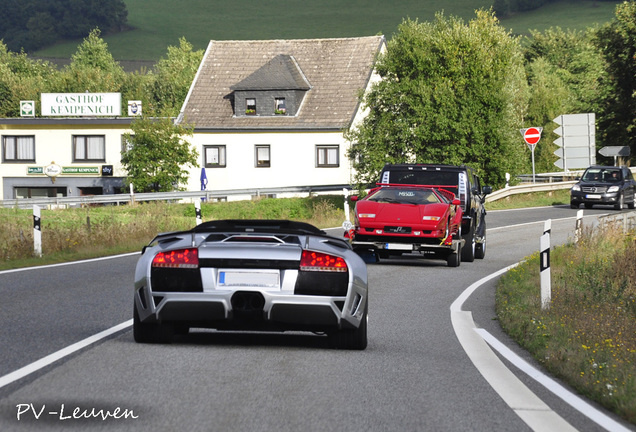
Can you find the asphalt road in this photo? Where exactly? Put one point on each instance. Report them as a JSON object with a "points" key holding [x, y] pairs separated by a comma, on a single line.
{"points": [[414, 376]]}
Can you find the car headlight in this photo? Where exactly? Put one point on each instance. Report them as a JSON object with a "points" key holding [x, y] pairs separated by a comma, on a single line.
{"points": [[576, 188], [612, 189], [431, 218], [366, 215]]}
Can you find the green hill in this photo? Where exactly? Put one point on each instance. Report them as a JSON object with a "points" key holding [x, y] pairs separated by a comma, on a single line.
{"points": [[158, 24]]}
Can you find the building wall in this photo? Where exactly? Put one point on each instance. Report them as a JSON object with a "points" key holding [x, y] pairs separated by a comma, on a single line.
{"points": [[293, 160], [54, 144]]}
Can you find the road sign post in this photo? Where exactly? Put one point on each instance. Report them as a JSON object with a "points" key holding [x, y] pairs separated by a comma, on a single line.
{"points": [[531, 136]]}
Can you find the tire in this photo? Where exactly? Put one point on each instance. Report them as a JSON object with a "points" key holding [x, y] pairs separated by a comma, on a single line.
{"points": [[632, 204], [468, 251], [574, 205], [151, 332], [454, 259], [349, 339], [480, 248], [620, 205]]}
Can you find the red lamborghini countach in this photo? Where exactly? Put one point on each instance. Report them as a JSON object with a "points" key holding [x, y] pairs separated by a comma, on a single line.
{"points": [[395, 219]]}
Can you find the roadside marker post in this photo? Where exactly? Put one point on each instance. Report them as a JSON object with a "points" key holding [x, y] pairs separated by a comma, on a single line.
{"points": [[346, 203], [579, 226], [547, 227], [197, 210], [37, 231], [544, 263]]}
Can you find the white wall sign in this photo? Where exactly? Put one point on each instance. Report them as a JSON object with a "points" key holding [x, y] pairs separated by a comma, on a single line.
{"points": [[81, 104]]}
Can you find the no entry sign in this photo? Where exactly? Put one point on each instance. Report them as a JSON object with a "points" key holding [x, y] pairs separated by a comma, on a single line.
{"points": [[531, 135]]}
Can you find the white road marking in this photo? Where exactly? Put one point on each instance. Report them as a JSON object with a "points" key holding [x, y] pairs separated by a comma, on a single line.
{"points": [[570, 398], [67, 263], [64, 352], [532, 410]]}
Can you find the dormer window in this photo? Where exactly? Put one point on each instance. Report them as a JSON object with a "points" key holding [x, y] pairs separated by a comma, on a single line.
{"points": [[280, 108], [250, 106], [278, 87]]}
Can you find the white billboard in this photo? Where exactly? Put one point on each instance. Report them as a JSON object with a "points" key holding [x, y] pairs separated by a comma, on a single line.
{"points": [[81, 104]]}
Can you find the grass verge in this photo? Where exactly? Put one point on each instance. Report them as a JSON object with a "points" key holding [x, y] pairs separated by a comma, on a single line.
{"points": [[81, 233], [542, 199], [588, 335]]}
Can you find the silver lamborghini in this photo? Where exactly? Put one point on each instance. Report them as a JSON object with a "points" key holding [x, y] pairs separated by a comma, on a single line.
{"points": [[251, 275]]}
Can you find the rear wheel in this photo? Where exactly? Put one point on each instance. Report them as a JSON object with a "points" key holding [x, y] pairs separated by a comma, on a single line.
{"points": [[468, 251], [151, 332], [351, 339], [632, 204], [480, 249]]}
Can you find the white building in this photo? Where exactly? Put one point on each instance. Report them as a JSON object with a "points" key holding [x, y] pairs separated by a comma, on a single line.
{"points": [[266, 114], [272, 113], [59, 157]]}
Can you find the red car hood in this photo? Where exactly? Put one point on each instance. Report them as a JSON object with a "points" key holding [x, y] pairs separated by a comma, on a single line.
{"points": [[403, 214]]}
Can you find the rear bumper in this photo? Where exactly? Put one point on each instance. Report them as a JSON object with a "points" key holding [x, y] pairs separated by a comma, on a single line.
{"points": [[251, 310]]}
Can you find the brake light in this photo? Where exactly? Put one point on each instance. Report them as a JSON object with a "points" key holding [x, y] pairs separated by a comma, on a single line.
{"points": [[180, 258], [318, 261]]}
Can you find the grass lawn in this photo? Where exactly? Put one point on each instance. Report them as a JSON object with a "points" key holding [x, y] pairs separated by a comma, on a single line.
{"points": [[156, 27]]}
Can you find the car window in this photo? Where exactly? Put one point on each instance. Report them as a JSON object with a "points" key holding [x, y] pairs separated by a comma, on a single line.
{"points": [[436, 178], [404, 196], [603, 175]]}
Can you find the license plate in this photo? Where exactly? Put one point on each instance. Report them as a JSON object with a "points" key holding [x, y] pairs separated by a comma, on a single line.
{"points": [[593, 196], [399, 246], [245, 278]]}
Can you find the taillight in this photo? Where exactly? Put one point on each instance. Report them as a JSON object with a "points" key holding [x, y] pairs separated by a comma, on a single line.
{"points": [[318, 261], [180, 258]]}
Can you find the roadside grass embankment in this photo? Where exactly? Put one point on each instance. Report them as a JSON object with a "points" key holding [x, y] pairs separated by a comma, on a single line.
{"points": [[536, 199], [588, 335], [89, 232]]}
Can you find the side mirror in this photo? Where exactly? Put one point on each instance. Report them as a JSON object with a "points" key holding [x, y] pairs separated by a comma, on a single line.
{"points": [[486, 190], [457, 202], [354, 198]]}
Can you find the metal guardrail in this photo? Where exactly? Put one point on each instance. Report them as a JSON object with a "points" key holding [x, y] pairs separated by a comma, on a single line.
{"points": [[527, 188], [626, 220], [188, 196]]}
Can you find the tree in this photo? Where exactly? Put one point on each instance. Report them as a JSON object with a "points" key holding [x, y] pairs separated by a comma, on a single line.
{"points": [[566, 74], [32, 24], [450, 93], [617, 42], [93, 68], [23, 79], [173, 77], [157, 155]]}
